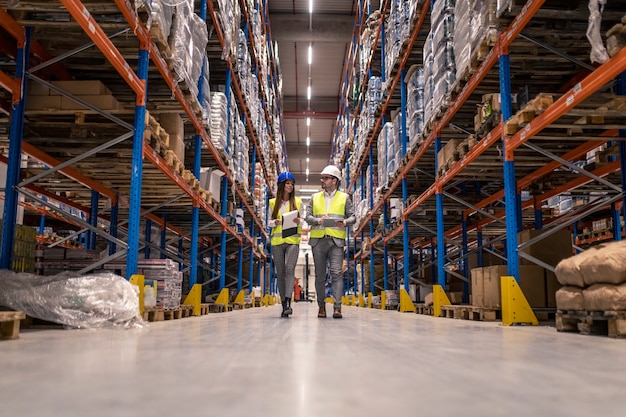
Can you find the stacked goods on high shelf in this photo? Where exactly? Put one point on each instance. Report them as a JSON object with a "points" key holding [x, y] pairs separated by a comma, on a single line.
{"points": [[439, 63], [397, 30], [475, 29], [365, 51], [92, 92], [341, 141], [361, 204], [238, 147], [366, 120], [616, 37], [229, 15], [260, 193], [594, 290], [389, 150], [188, 39], [414, 105], [24, 246], [219, 120]]}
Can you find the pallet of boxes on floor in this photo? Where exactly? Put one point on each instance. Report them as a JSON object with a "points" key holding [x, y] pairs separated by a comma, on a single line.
{"points": [[593, 297], [162, 288]]}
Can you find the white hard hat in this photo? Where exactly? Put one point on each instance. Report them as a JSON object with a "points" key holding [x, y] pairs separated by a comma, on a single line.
{"points": [[332, 171]]}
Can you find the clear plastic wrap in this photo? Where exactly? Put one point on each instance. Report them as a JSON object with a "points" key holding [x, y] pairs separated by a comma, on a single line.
{"points": [[598, 51], [78, 301]]}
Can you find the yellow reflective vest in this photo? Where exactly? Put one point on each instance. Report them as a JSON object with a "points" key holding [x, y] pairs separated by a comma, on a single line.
{"points": [[277, 232], [336, 210]]}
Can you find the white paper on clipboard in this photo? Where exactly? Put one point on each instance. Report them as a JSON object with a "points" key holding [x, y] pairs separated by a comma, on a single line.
{"points": [[290, 227]]}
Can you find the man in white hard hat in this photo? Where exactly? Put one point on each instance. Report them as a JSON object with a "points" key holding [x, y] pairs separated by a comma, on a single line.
{"points": [[328, 214]]}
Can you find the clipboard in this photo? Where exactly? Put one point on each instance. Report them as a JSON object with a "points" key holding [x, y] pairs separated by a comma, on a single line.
{"points": [[330, 222], [290, 227]]}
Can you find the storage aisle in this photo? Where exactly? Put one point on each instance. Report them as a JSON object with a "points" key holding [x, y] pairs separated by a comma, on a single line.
{"points": [[370, 363]]}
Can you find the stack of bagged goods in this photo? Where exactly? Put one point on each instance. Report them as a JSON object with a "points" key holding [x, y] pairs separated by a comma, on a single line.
{"points": [[594, 280]]}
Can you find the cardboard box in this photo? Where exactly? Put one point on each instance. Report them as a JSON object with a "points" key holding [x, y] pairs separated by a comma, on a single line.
{"points": [[550, 250], [102, 102], [173, 124], [477, 287], [43, 102], [531, 282], [82, 87]]}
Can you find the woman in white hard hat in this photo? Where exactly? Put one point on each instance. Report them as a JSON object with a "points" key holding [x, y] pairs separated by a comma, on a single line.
{"points": [[285, 249], [328, 214]]}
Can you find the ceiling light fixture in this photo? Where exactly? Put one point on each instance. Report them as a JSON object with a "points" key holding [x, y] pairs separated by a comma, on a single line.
{"points": [[307, 173], [310, 54], [310, 6], [308, 93], [308, 141], [308, 121]]}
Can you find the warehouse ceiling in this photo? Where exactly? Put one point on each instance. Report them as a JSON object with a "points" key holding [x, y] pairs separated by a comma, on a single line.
{"points": [[329, 31]]}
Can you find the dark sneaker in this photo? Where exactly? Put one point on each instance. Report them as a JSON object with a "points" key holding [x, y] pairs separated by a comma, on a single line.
{"points": [[337, 313], [322, 312]]}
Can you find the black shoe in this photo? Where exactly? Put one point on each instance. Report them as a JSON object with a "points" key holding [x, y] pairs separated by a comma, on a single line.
{"points": [[285, 312], [288, 309]]}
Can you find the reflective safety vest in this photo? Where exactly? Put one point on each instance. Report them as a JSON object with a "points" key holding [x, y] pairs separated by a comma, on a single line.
{"points": [[277, 232], [336, 210]]}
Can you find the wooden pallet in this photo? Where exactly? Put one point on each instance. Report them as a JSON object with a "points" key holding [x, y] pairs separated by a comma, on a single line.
{"points": [[186, 310], [153, 314], [10, 324], [607, 323], [528, 113], [204, 309], [424, 309], [468, 312], [216, 308]]}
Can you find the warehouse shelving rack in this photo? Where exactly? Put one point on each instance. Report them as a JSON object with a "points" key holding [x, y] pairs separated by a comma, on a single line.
{"points": [[430, 196], [181, 192]]}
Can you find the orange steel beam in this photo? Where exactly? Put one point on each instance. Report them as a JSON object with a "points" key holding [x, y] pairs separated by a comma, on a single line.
{"points": [[582, 180], [97, 35], [68, 202], [157, 161], [17, 31], [10, 84], [68, 171], [600, 77]]}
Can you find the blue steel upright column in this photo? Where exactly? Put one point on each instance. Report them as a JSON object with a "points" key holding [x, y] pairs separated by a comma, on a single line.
{"points": [[405, 189], [134, 214], [115, 209], [93, 220], [510, 186], [441, 243], [15, 156], [621, 90]]}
